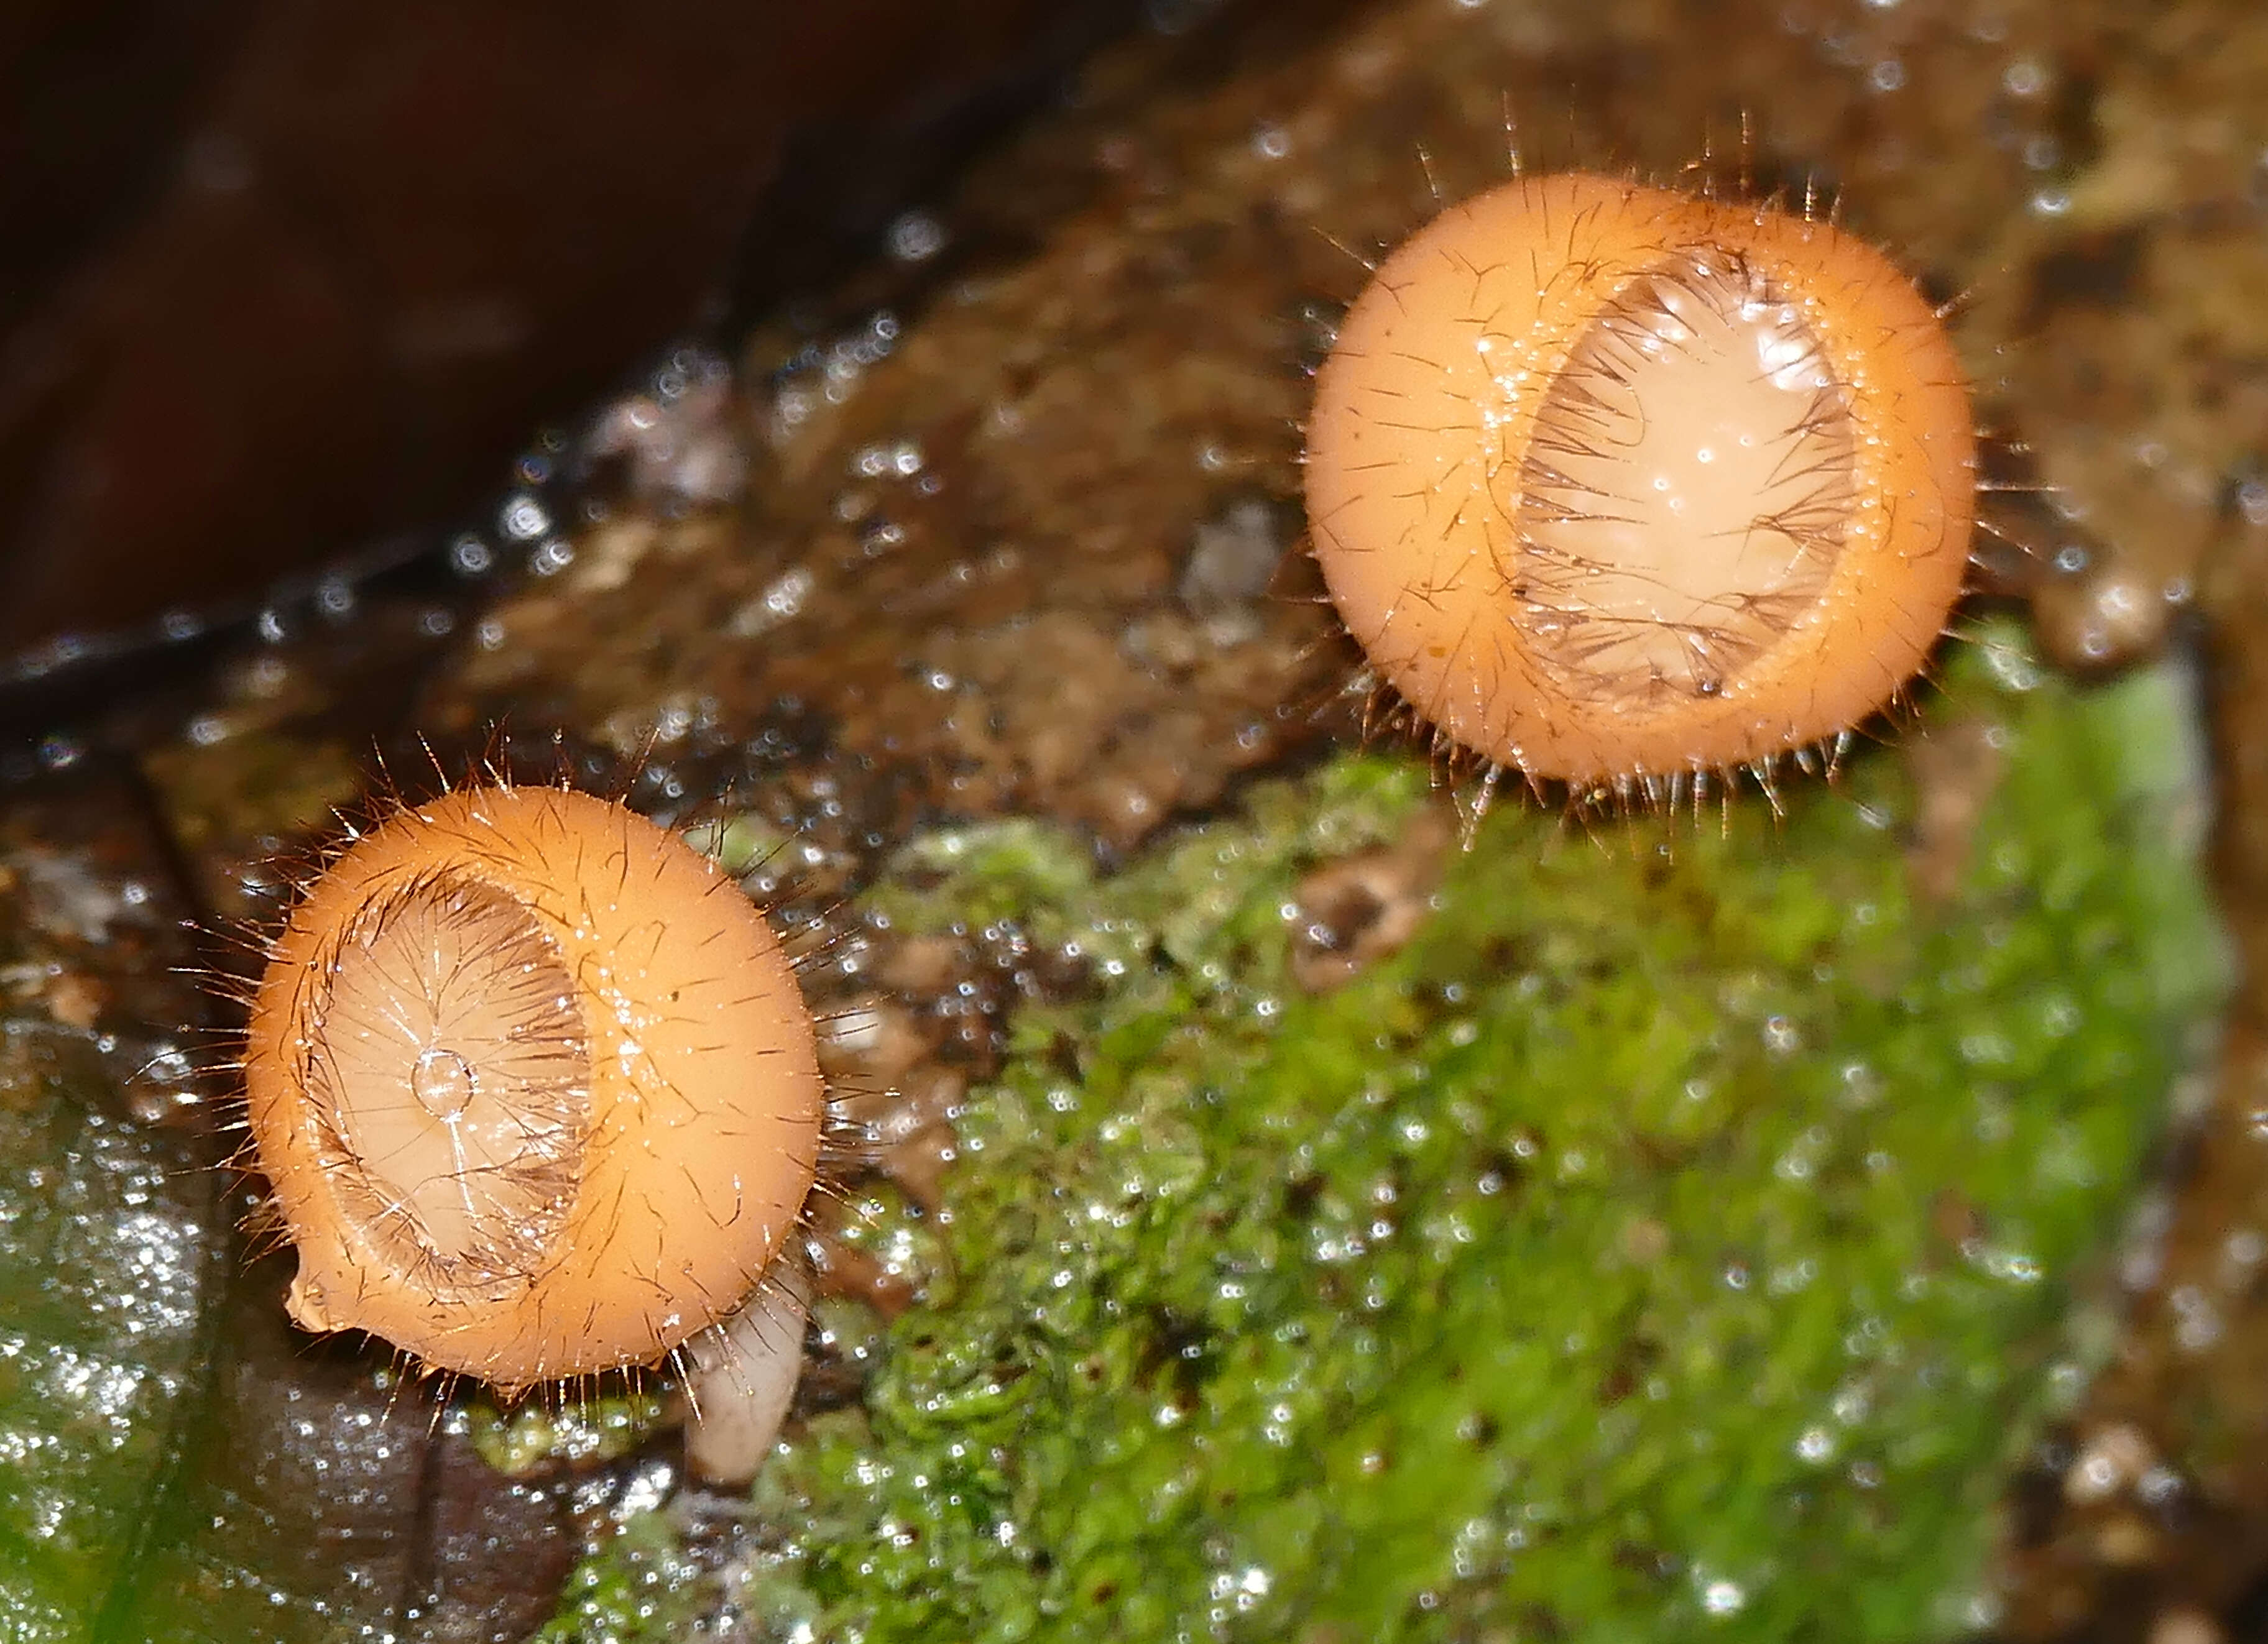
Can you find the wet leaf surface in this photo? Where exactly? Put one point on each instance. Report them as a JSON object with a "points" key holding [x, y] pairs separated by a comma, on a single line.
{"points": [[181, 1465]]}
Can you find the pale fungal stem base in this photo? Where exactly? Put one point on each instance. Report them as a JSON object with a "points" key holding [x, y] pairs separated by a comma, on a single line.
{"points": [[740, 1379]]}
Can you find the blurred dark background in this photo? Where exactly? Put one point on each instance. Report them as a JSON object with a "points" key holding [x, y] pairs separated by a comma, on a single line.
{"points": [[284, 282]]}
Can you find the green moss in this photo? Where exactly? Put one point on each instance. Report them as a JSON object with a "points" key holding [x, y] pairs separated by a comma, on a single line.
{"points": [[1679, 1230], [638, 1589], [528, 1436]]}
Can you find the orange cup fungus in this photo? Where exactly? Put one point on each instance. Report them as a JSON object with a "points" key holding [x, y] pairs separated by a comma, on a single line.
{"points": [[534, 1087], [1614, 483]]}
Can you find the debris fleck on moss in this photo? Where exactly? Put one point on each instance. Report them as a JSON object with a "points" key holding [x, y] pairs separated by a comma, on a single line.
{"points": [[1682, 1229]]}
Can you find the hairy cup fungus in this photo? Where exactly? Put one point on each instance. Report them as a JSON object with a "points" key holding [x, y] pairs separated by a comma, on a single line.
{"points": [[534, 1086], [1613, 484]]}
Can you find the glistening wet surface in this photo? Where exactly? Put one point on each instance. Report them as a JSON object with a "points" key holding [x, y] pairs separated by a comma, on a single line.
{"points": [[1004, 590], [1689, 485]]}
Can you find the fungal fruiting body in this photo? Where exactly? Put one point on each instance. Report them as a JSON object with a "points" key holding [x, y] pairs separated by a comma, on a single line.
{"points": [[1610, 482], [534, 1086]]}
